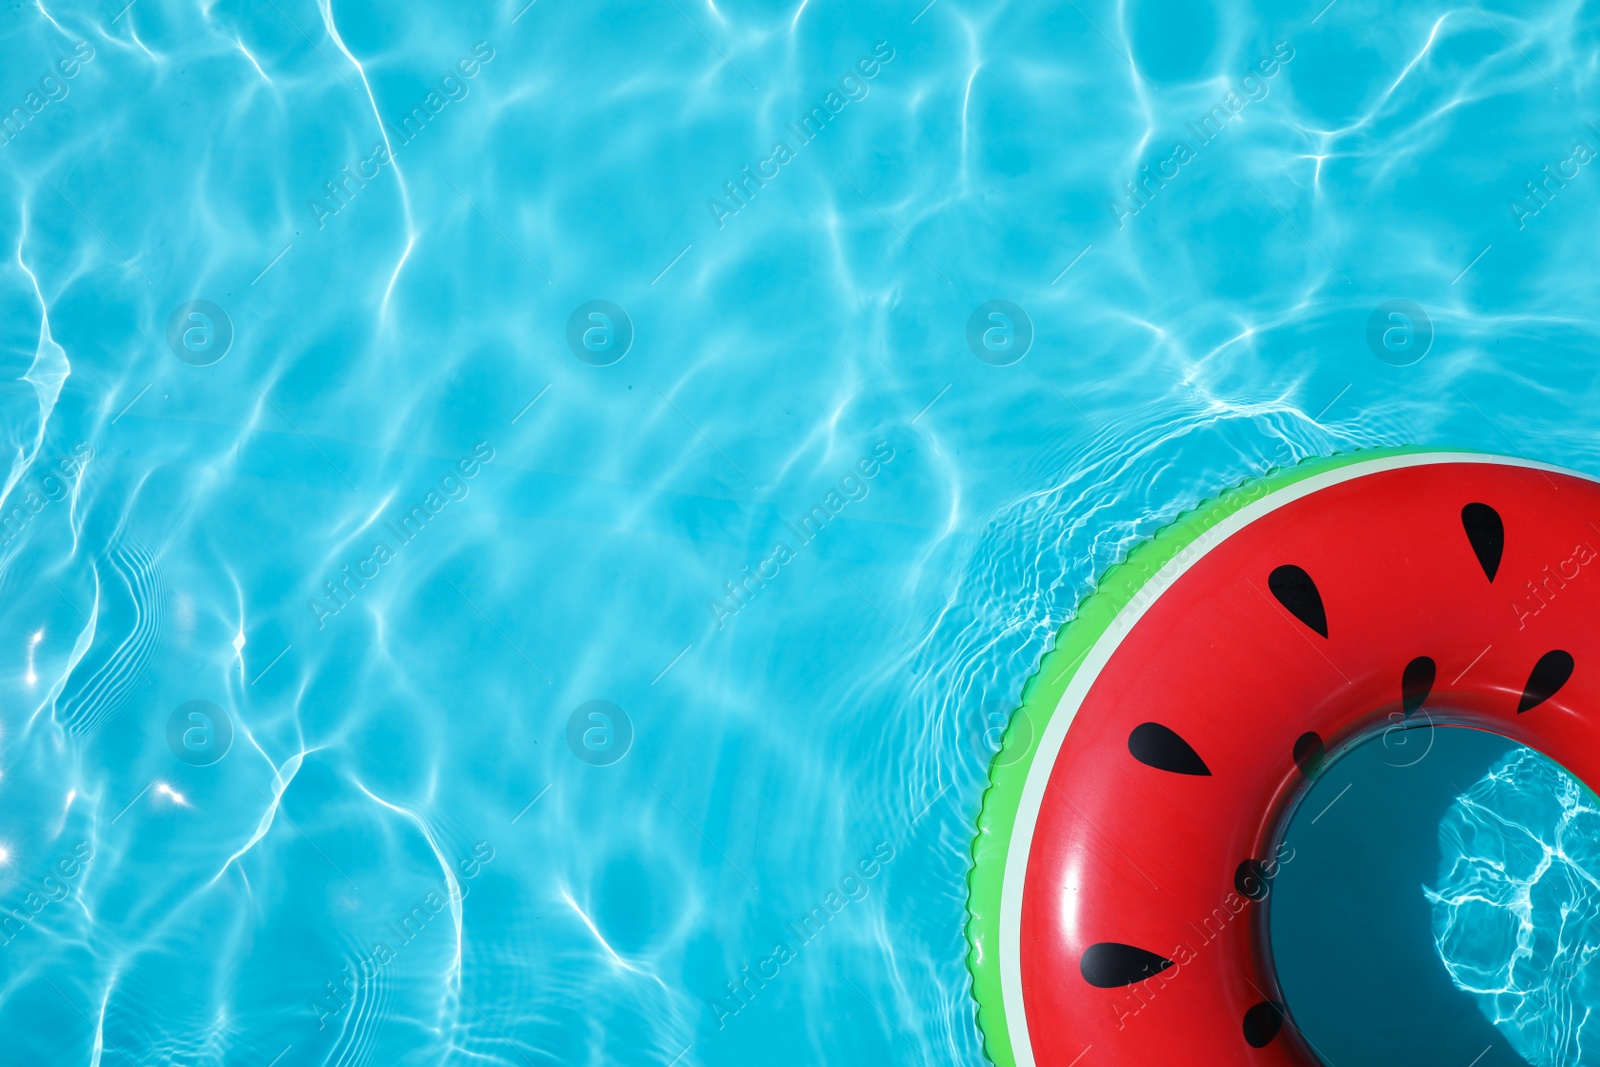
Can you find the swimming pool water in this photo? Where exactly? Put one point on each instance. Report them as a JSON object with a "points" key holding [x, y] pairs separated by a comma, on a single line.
{"points": [[523, 522], [1351, 924], [1516, 904]]}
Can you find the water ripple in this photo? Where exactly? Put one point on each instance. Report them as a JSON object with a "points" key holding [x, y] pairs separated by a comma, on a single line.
{"points": [[1516, 914]]}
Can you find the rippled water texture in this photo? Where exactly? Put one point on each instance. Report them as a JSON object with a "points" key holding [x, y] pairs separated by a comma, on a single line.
{"points": [[1516, 912], [400, 664]]}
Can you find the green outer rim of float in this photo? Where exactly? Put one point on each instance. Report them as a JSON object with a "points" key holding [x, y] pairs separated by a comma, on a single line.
{"points": [[1041, 696]]}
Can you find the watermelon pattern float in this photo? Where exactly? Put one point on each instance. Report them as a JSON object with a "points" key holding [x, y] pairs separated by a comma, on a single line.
{"points": [[1134, 817]]}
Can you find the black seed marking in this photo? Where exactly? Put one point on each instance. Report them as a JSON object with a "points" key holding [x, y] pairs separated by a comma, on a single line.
{"points": [[1309, 752], [1262, 1023], [1296, 591], [1488, 536], [1156, 746], [1251, 880], [1416, 683], [1109, 965], [1549, 675]]}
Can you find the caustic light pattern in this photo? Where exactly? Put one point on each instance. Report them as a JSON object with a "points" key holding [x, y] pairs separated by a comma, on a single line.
{"points": [[1514, 915]]}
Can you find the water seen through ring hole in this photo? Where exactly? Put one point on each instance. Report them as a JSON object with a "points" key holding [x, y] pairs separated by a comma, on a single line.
{"points": [[1442, 905]]}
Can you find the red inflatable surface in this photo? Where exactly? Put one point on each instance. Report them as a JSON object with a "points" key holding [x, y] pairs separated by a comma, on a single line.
{"points": [[1465, 592]]}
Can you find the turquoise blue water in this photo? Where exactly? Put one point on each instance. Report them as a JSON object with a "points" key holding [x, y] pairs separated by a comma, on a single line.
{"points": [[1352, 925], [1516, 904], [522, 523]]}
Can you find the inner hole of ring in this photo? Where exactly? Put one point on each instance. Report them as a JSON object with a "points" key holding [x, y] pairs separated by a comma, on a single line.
{"points": [[1395, 924]]}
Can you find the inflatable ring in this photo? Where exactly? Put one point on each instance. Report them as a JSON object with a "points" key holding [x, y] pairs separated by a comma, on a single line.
{"points": [[1134, 817]]}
